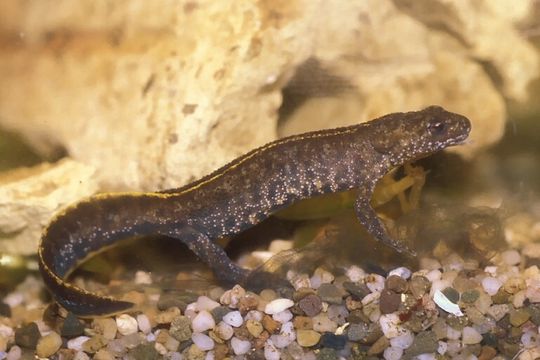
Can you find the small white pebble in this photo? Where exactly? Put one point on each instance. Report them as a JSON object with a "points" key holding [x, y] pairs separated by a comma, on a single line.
{"points": [[392, 353], [519, 299], [233, 296], [202, 322], [151, 337], [233, 318], [390, 325], [126, 324], [434, 275], [402, 272], [14, 353], [375, 282], [205, 303], [203, 342], [355, 274], [6, 331], [403, 341], [491, 285], [270, 351], [278, 305], [369, 298], [224, 331], [491, 269], [511, 257], [142, 277], [283, 316], [301, 281], [13, 299], [315, 282], [76, 343], [452, 334], [254, 315], [325, 276], [471, 336], [530, 339], [210, 355], [144, 323], [240, 347], [161, 349], [443, 347]]}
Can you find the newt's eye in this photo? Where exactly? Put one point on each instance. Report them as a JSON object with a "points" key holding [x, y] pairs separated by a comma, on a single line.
{"points": [[437, 127]]}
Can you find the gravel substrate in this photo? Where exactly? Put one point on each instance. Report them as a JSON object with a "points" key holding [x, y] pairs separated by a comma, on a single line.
{"points": [[451, 308]]}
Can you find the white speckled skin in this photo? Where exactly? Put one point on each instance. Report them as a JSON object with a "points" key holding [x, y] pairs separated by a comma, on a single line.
{"points": [[243, 193]]}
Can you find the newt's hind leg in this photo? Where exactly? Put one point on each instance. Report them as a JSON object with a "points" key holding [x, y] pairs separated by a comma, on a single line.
{"points": [[210, 253], [373, 224]]}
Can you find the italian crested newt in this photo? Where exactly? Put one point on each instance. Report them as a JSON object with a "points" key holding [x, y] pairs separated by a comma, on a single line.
{"points": [[241, 194]]}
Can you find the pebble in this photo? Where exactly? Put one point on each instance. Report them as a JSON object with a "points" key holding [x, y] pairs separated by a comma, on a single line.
{"points": [[203, 342], [254, 327], [144, 323], [402, 272], [393, 353], [424, 342], [375, 282], [14, 353], [519, 316], [419, 285], [271, 352], [180, 328], [390, 325], [240, 347], [511, 257], [311, 305], [167, 316], [126, 324], [205, 303], [278, 305], [106, 327], [203, 321], [307, 338], [333, 341], [470, 296], [144, 352], [329, 293], [451, 294], [76, 343], [93, 344], [303, 323], [48, 345], [338, 314], [322, 323], [283, 317], [270, 324], [355, 273], [379, 346], [72, 326], [403, 341], [358, 291], [389, 301], [224, 331], [27, 336], [470, 336], [396, 283], [233, 318], [103, 354], [498, 311], [491, 285]]}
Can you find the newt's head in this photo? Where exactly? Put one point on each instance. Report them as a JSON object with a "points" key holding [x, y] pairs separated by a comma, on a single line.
{"points": [[403, 137]]}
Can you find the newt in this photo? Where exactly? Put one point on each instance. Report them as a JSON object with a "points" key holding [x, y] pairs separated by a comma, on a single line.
{"points": [[240, 195]]}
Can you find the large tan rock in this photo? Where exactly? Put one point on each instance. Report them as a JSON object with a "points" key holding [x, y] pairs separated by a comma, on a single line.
{"points": [[152, 95]]}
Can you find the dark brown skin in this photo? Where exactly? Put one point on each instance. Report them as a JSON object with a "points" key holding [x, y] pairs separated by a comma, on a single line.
{"points": [[241, 194]]}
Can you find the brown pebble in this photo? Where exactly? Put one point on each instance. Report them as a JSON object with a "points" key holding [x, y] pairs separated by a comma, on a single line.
{"points": [[93, 344], [379, 346], [242, 332], [311, 305], [487, 353], [352, 304], [106, 327], [302, 293], [396, 284], [220, 351], [389, 301], [248, 302], [103, 354], [270, 324], [303, 323], [167, 316], [419, 286]]}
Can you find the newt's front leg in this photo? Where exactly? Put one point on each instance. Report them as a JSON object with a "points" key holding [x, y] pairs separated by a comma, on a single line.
{"points": [[373, 224]]}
